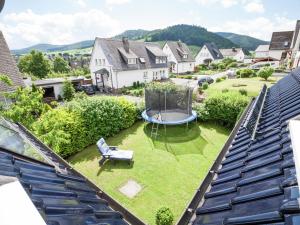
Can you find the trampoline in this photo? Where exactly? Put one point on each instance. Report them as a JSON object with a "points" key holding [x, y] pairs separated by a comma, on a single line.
{"points": [[170, 106]]}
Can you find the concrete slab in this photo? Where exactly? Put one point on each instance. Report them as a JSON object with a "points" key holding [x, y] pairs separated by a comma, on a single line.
{"points": [[130, 189]]}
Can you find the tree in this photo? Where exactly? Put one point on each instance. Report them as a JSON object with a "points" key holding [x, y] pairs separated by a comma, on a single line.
{"points": [[265, 72], [27, 106], [6, 80], [68, 90], [60, 65], [35, 64]]}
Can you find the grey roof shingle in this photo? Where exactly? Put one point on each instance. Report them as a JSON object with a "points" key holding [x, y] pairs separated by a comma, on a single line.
{"points": [[214, 50], [281, 40], [8, 67], [179, 48], [230, 52], [111, 49], [256, 182]]}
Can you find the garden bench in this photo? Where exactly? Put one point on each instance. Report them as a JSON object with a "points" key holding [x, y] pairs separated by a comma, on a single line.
{"points": [[113, 153]]}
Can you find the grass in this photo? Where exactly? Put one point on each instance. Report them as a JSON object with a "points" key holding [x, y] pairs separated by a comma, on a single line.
{"points": [[252, 85], [169, 168]]}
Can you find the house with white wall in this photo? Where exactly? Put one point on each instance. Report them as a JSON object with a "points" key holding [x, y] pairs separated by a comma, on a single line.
{"points": [[280, 45], [209, 53], [119, 63], [180, 57], [234, 53], [262, 51]]}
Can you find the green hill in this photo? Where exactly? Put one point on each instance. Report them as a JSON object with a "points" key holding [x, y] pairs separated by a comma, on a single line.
{"points": [[244, 41]]}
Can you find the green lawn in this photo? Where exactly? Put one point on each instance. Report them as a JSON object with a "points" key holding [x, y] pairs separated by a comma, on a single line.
{"points": [[252, 85], [169, 168]]}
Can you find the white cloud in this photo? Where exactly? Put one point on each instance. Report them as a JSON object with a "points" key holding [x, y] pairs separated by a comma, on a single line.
{"points": [[260, 27], [117, 2], [254, 7], [27, 28], [82, 3]]}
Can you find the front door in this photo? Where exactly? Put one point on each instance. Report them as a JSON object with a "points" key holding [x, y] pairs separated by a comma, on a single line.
{"points": [[99, 80]]}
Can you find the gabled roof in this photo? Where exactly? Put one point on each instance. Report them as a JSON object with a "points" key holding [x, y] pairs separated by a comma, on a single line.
{"points": [[8, 67], [178, 49], [214, 50], [61, 195], [281, 40], [263, 48], [256, 183], [112, 48], [230, 52]]}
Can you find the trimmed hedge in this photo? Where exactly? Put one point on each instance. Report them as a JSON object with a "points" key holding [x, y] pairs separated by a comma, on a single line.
{"points": [[223, 108], [80, 123]]}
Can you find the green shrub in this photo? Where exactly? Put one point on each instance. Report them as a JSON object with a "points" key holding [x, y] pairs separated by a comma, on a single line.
{"points": [[62, 130], [205, 86], [200, 90], [223, 108], [224, 77], [218, 80], [232, 65], [265, 72], [221, 66], [164, 216], [225, 90], [134, 85], [68, 90], [213, 66], [202, 113], [245, 73], [104, 116], [243, 92]]}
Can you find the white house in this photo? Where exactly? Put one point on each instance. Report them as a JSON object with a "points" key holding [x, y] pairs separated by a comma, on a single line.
{"points": [[119, 63], [262, 51], [234, 53], [280, 45], [180, 57], [208, 53]]}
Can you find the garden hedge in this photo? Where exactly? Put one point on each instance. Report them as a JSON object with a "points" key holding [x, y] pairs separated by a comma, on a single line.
{"points": [[80, 123], [223, 108]]}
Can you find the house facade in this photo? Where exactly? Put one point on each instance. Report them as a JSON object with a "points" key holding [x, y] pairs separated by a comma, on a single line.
{"points": [[119, 63], [281, 43], [9, 68], [262, 51], [234, 53], [209, 53], [180, 57]]}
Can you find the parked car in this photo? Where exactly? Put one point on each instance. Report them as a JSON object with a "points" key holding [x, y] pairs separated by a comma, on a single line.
{"points": [[204, 79], [87, 88]]}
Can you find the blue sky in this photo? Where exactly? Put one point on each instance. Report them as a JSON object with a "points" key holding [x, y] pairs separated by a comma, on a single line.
{"points": [[29, 22]]}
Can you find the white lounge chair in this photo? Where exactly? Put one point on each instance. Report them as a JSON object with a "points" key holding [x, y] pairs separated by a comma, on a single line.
{"points": [[113, 153]]}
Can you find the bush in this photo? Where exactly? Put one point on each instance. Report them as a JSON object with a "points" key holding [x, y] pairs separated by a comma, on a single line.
{"points": [[223, 108], [243, 92], [265, 72], [245, 73], [164, 216], [221, 66], [62, 130], [68, 90], [225, 90], [232, 65], [218, 80], [204, 86]]}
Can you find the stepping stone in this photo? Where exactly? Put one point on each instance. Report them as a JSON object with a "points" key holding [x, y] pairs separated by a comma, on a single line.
{"points": [[130, 189]]}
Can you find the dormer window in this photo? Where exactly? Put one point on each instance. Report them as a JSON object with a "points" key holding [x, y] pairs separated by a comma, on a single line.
{"points": [[160, 60], [185, 56], [132, 61], [286, 44]]}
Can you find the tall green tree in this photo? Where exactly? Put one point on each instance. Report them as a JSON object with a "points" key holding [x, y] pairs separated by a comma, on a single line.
{"points": [[35, 64], [68, 90], [60, 65], [27, 106], [266, 72]]}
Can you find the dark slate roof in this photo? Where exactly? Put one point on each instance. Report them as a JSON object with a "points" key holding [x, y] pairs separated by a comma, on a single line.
{"points": [[179, 48], [112, 48], [61, 194], [256, 181], [214, 50], [281, 40], [8, 67]]}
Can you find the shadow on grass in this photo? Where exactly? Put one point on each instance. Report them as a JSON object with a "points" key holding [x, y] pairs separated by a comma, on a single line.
{"points": [[171, 138]]}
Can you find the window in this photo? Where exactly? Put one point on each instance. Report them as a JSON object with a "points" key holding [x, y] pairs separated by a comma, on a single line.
{"points": [[185, 56], [145, 75], [96, 62], [132, 61], [103, 62], [160, 60]]}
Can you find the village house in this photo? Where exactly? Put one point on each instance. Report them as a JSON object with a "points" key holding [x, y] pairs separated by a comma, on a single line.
{"points": [[280, 45], [120, 63], [9, 68], [234, 53], [180, 58], [262, 51], [209, 53]]}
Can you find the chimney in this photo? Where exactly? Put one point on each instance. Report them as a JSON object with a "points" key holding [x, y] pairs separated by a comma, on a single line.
{"points": [[233, 49], [125, 44]]}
